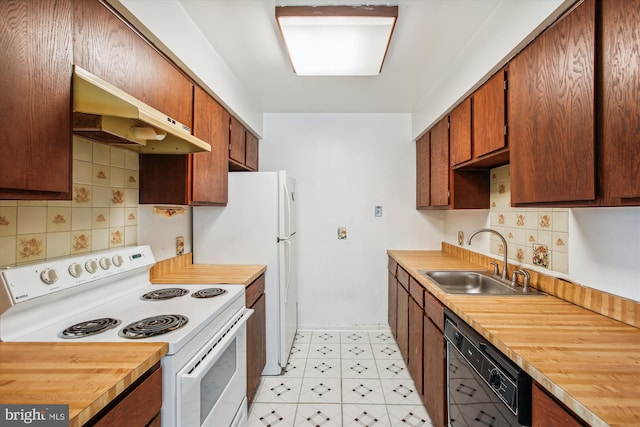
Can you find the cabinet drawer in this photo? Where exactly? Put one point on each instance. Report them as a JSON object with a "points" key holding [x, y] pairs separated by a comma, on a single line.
{"points": [[417, 291], [434, 309], [139, 407], [403, 278], [393, 266], [253, 291]]}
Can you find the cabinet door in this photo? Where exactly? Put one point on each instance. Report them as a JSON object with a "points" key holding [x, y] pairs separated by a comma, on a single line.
{"points": [[402, 327], [164, 178], [256, 346], [551, 113], [393, 301], [546, 412], [621, 85], [237, 143], [251, 151], [423, 172], [460, 132], [209, 184], [416, 344], [434, 373], [489, 116], [35, 65], [440, 163], [107, 46]]}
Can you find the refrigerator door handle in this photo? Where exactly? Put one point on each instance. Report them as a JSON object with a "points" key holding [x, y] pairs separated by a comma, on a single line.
{"points": [[287, 256]]}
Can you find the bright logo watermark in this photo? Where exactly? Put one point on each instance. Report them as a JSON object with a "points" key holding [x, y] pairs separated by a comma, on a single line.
{"points": [[35, 415]]}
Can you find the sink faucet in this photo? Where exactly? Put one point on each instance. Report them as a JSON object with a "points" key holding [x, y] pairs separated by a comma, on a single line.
{"points": [[525, 279], [505, 272]]}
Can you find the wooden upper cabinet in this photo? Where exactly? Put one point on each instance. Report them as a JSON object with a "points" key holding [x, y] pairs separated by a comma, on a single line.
{"points": [[440, 163], [460, 132], [423, 172], [109, 47], [210, 170], [489, 116], [551, 113], [36, 66], [237, 145], [251, 151], [620, 89], [191, 179]]}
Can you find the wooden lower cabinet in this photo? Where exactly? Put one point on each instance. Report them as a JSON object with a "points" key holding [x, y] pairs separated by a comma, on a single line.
{"points": [[415, 344], [137, 407], [256, 335], [547, 412], [393, 303], [434, 396], [402, 325]]}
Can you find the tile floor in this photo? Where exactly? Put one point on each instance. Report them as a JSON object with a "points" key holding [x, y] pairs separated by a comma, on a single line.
{"points": [[340, 378]]}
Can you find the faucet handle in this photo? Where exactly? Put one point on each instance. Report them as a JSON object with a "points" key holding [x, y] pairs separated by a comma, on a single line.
{"points": [[525, 279], [496, 271]]}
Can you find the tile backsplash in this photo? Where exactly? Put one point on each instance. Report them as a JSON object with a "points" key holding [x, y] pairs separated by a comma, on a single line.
{"points": [[102, 214], [536, 236]]}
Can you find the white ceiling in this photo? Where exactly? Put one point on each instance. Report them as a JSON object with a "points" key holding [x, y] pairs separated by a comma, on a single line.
{"points": [[429, 36]]}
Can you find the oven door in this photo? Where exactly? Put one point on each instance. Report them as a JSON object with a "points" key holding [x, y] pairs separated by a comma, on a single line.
{"points": [[212, 385], [470, 400]]}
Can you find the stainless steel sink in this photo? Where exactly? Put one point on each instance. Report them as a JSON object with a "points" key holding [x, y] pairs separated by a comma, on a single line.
{"points": [[474, 283]]}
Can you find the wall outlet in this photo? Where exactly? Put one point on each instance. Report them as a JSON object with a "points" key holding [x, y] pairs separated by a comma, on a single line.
{"points": [[342, 233], [460, 237], [179, 245], [377, 211]]}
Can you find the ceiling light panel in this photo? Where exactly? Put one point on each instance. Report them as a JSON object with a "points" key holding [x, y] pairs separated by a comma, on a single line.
{"points": [[337, 40]]}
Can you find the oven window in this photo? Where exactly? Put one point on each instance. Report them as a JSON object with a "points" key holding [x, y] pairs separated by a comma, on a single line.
{"points": [[471, 401], [217, 379]]}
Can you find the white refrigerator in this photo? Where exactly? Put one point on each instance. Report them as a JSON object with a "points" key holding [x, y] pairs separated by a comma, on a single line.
{"points": [[258, 226]]}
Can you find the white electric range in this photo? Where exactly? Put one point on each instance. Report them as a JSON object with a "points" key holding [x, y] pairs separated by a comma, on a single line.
{"points": [[107, 297]]}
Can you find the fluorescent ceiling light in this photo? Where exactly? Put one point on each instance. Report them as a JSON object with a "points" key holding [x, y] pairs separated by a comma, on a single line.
{"points": [[337, 40]]}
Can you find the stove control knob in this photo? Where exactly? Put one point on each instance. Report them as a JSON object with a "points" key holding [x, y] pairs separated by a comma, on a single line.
{"points": [[49, 276], [91, 266], [105, 263], [495, 380], [117, 260], [75, 270]]}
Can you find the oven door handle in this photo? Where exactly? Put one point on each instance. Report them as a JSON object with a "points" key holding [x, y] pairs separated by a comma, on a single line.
{"points": [[199, 366]]}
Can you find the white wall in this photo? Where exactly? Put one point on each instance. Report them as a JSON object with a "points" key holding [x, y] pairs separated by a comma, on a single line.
{"points": [[345, 164], [160, 232]]}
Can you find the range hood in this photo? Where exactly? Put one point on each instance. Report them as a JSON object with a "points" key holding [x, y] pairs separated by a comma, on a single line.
{"points": [[104, 113]]}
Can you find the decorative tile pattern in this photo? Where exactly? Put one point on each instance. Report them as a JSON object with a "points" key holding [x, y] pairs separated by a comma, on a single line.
{"points": [[103, 177], [525, 229], [345, 389]]}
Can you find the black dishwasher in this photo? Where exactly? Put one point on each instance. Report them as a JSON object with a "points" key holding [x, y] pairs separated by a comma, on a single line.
{"points": [[484, 387]]}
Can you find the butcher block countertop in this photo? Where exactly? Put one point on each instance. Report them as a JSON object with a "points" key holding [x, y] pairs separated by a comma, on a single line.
{"points": [[86, 376], [181, 270], [588, 361]]}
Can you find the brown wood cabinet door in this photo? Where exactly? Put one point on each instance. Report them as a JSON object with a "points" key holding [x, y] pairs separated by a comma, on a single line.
{"points": [[423, 171], [107, 46], [237, 143], [489, 116], [251, 151], [551, 113], [460, 132], [402, 325], [35, 65], [209, 184], [434, 373], [621, 109], [393, 303], [416, 344], [164, 178], [546, 412], [256, 346], [440, 163]]}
